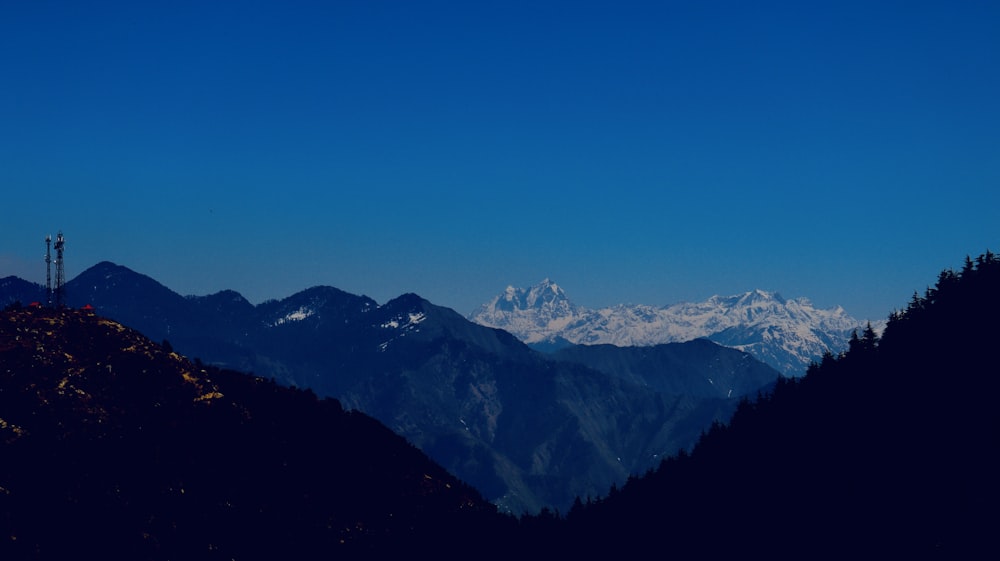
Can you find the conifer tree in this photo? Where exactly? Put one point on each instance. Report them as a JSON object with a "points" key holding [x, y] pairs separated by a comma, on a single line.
{"points": [[869, 340]]}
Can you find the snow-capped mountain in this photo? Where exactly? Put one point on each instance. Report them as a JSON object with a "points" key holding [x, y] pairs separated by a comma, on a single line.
{"points": [[540, 313], [786, 334]]}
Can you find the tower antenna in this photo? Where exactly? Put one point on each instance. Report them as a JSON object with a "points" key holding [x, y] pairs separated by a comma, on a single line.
{"points": [[48, 270], [60, 272]]}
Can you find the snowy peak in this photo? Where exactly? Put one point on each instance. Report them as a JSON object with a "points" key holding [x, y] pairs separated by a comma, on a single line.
{"points": [[546, 292], [756, 299], [787, 334], [531, 314], [760, 298], [545, 295]]}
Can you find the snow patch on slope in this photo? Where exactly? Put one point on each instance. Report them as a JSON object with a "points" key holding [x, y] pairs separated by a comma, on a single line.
{"points": [[298, 315], [409, 322]]}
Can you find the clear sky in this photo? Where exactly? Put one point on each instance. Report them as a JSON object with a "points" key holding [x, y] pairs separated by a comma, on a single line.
{"points": [[640, 152]]}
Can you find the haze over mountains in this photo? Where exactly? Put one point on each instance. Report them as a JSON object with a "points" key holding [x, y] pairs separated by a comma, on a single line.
{"points": [[528, 430], [786, 334]]}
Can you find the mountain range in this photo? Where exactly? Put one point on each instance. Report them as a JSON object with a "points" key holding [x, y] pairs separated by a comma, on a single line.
{"points": [[116, 447], [528, 430], [786, 334]]}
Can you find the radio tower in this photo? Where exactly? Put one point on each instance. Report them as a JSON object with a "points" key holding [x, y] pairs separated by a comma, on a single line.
{"points": [[60, 272], [48, 271]]}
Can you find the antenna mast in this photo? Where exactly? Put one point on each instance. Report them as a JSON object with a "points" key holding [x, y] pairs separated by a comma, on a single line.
{"points": [[48, 270], [60, 272]]}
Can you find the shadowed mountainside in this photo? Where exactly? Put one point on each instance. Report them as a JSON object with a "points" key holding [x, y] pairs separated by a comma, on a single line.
{"points": [[114, 447]]}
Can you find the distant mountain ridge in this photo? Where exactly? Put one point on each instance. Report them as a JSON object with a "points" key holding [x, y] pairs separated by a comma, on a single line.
{"points": [[786, 334]]}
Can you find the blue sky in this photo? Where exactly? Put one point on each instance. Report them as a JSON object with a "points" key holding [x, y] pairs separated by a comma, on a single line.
{"points": [[643, 152]]}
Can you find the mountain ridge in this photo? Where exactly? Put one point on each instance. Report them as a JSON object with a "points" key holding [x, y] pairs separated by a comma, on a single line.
{"points": [[788, 334]]}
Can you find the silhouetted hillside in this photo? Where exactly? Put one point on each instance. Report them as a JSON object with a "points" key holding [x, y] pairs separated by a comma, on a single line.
{"points": [[112, 447], [891, 450], [15, 290]]}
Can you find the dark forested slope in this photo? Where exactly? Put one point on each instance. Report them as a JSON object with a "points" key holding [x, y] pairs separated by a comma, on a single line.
{"points": [[113, 447], [890, 449]]}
